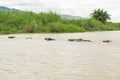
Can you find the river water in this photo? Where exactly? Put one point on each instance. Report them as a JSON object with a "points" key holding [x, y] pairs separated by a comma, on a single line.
{"points": [[37, 59]]}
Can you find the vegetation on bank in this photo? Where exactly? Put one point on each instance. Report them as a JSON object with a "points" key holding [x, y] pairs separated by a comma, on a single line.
{"points": [[29, 22]]}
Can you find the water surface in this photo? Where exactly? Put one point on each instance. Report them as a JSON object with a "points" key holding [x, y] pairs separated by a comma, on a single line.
{"points": [[37, 59]]}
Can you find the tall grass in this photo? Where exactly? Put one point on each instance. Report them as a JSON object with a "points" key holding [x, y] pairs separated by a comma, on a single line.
{"points": [[29, 22]]}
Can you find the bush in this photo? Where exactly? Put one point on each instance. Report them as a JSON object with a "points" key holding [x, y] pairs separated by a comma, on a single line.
{"points": [[110, 26], [31, 27], [46, 18], [60, 27], [90, 24]]}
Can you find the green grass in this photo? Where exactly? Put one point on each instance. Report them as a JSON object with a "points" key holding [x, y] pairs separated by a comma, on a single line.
{"points": [[50, 22]]}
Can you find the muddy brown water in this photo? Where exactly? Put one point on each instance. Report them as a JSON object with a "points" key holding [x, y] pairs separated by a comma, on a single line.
{"points": [[37, 59]]}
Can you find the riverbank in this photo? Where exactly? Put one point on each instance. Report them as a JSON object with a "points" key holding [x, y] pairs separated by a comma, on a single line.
{"points": [[50, 22]]}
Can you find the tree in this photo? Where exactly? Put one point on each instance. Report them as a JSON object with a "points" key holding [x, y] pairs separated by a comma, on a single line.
{"points": [[100, 15]]}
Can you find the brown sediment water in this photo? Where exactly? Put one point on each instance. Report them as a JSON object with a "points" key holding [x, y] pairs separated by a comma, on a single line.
{"points": [[38, 59]]}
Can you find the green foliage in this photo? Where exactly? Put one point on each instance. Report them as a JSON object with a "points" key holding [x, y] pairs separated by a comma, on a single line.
{"points": [[60, 27], [29, 22], [100, 15], [48, 17], [92, 25], [110, 26], [30, 27]]}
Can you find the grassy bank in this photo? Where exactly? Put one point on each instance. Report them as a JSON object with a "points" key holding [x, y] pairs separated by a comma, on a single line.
{"points": [[28, 22]]}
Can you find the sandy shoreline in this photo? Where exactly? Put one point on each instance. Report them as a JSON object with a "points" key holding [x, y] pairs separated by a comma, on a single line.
{"points": [[37, 59]]}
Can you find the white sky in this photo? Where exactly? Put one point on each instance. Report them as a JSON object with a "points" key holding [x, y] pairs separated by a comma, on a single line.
{"points": [[81, 8]]}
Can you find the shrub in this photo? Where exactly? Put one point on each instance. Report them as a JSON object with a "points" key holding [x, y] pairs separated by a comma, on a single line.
{"points": [[60, 27], [91, 24], [31, 27]]}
